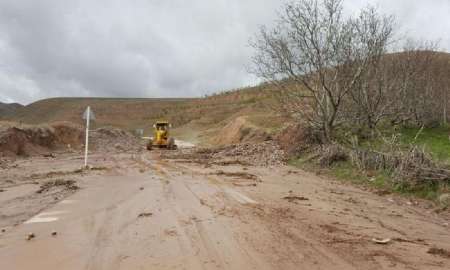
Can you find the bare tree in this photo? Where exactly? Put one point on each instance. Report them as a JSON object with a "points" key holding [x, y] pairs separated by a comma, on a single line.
{"points": [[370, 101], [317, 56], [421, 89]]}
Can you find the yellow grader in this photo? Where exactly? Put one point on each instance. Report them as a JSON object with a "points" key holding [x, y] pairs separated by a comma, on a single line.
{"points": [[161, 137]]}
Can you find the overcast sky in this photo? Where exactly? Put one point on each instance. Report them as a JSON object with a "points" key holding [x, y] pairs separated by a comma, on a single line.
{"points": [[153, 48]]}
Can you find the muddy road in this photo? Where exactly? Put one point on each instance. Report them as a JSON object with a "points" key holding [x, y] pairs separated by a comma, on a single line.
{"points": [[140, 211]]}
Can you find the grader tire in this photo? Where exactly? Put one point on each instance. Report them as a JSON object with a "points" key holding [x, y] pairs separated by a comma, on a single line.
{"points": [[149, 146], [171, 144]]}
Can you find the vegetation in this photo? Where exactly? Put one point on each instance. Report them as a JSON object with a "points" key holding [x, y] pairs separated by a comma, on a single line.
{"points": [[341, 77], [436, 141]]}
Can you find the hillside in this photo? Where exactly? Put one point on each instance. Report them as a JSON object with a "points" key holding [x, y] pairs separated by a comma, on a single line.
{"points": [[194, 119], [9, 109], [191, 117]]}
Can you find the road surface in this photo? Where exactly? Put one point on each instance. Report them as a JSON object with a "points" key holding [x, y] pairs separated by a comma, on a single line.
{"points": [[142, 212]]}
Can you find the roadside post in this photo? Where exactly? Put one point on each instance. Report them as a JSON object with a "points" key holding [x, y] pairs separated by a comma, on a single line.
{"points": [[88, 115]]}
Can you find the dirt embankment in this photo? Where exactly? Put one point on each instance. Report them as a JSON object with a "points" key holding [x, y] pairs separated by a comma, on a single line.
{"points": [[45, 140], [240, 130], [18, 140]]}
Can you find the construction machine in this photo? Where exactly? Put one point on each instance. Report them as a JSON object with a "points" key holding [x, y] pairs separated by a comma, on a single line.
{"points": [[161, 137]]}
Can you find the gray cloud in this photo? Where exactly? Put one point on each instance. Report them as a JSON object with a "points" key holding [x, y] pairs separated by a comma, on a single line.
{"points": [[151, 48]]}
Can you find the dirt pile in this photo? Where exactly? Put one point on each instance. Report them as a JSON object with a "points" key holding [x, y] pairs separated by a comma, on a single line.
{"points": [[27, 140], [114, 139], [239, 131], [38, 140], [69, 134]]}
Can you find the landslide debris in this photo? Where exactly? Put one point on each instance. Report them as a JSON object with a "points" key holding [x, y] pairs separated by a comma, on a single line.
{"points": [[68, 185], [266, 153], [114, 139]]}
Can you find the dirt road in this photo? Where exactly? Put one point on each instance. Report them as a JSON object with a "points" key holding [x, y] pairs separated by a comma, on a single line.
{"points": [[138, 211]]}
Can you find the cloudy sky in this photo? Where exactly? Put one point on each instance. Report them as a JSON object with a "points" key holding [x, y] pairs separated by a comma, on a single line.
{"points": [[153, 48]]}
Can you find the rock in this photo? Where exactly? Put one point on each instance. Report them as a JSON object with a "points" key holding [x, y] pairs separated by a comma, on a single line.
{"points": [[444, 200], [49, 155], [54, 233], [30, 236]]}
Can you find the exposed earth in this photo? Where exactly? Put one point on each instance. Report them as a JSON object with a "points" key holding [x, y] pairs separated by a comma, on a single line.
{"points": [[234, 207]]}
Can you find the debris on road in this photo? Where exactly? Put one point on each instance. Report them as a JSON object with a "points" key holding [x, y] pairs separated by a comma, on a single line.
{"points": [[30, 236], [243, 175], [440, 252], [54, 233], [293, 199], [244, 184], [145, 214], [266, 153], [66, 184]]}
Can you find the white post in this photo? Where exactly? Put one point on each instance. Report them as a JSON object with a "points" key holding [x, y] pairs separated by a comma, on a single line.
{"points": [[87, 136]]}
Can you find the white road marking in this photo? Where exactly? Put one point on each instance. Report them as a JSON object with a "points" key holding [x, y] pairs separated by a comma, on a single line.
{"points": [[45, 217], [239, 196]]}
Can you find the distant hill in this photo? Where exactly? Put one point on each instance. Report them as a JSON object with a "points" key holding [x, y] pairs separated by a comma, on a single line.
{"points": [[202, 114], [8, 109]]}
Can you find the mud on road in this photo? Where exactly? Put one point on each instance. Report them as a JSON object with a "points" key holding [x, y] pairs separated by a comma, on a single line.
{"points": [[144, 211]]}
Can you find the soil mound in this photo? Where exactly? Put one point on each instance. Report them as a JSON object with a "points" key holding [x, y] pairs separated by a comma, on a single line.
{"points": [[240, 131], [110, 138], [69, 134], [38, 140]]}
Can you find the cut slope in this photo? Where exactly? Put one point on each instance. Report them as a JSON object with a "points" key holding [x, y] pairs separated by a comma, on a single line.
{"points": [[240, 130]]}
